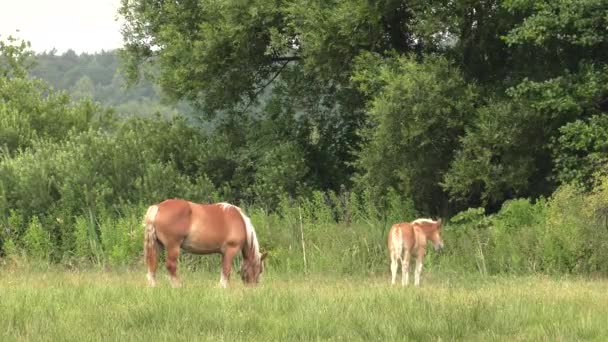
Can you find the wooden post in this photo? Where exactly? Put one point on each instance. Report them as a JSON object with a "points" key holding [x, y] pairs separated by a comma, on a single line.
{"points": [[303, 244]]}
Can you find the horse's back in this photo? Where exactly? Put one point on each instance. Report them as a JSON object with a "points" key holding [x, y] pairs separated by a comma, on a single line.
{"points": [[173, 220], [401, 235], [200, 228], [215, 227]]}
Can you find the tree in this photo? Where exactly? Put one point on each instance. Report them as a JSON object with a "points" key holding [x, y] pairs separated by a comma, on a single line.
{"points": [[419, 111], [15, 58], [84, 88], [30, 109], [515, 72], [581, 151], [508, 152]]}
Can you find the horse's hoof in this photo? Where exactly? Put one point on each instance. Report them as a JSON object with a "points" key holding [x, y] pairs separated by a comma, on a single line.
{"points": [[175, 283]]}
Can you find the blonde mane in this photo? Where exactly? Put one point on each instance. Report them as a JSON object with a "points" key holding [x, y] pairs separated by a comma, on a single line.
{"points": [[424, 220], [252, 239]]}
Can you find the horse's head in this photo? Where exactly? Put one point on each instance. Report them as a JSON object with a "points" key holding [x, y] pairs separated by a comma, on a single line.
{"points": [[251, 269], [436, 236]]}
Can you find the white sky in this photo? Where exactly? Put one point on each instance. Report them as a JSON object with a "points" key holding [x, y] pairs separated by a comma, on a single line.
{"points": [[80, 25]]}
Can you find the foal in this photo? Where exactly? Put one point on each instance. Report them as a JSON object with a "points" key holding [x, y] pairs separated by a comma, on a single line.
{"points": [[405, 239]]}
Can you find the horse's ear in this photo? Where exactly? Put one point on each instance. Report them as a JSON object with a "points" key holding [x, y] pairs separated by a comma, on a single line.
{"points": [[264, 256]]}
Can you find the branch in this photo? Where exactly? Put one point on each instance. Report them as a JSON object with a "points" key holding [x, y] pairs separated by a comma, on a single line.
{"points": [[286, 59], [603, 104], [259, 90]]}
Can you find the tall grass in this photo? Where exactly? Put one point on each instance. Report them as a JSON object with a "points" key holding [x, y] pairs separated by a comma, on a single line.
{"points": [[346, 234], [50, 305]]}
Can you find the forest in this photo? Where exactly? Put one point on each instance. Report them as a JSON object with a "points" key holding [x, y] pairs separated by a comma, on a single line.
{"points": [[321, 117]]}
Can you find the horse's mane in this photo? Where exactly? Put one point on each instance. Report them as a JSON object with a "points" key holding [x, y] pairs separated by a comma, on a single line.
{"points": [[423, 220], [252, 239]]}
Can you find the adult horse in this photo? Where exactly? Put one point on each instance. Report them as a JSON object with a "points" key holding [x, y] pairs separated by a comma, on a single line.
{"points": [[404, 239], [201, 229]]}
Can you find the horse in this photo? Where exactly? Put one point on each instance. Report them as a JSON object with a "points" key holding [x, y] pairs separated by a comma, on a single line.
{"points": [[222, 228], [404, 239]]}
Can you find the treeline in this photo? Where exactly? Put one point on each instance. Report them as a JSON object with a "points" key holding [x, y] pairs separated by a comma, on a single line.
{"points": [[98, 77]]}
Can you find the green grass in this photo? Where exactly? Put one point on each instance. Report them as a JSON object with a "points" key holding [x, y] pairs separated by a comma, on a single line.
{"points": [[59, 305]]}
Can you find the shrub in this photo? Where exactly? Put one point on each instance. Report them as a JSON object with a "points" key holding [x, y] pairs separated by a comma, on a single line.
{"points": [[37, 242], [515, 237]]}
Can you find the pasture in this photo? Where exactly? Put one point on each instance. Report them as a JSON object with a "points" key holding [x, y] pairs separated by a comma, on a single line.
{"points": [[56, 304]]}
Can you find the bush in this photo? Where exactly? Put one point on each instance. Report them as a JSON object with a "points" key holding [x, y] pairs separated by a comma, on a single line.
{"points": [[516, 233], [564, 235], [467, 242], [37, 242]]}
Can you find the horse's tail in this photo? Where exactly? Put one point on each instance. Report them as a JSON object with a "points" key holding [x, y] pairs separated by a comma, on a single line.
{"points": [[150, 241]]}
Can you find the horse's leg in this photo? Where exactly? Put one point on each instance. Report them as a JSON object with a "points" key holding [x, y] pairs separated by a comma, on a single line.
{"points": [[405, 268], [172, 256], [394, 258], [151, 252], [227, 257], [419, 260]]}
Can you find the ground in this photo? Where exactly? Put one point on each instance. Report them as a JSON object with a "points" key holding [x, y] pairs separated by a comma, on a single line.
{"points": [[51, 304]]}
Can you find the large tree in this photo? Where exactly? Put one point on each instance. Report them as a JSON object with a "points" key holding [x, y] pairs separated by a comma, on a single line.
{"points": [[366, 86], [240, 60], [560, 76]]}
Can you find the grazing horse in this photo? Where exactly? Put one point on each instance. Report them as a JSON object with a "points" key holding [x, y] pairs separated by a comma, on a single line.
{"points": [[404, 239], [201, 229]]}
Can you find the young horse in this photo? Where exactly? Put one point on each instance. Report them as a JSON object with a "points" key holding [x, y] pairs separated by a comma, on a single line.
{"points": [[406, 238], [201, 229]]}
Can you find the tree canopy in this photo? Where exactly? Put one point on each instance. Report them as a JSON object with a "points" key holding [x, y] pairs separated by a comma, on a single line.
{"points": [[454, 103]]}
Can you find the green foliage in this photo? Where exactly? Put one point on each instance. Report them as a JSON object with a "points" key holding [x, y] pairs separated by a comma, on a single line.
{"points": [[121, 239], [507, 153], [222, 54], [555, 36], [28, 113], [195, 34], [37, 242], [15, 58], [281, 169], [596, 228], [98, 77], [566, 233], [572, 22], [419, 111], [10, 249], [467, 240], [84, 239], [487, 86], [581, 149], [496, 158], [12, 225], [516, 235]]}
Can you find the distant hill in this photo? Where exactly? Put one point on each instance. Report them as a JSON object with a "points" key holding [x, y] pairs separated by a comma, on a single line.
{"points": [[99, 77]]}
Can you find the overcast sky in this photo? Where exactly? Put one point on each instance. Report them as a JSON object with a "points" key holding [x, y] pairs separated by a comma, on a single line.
{"points": [[80, 25]]}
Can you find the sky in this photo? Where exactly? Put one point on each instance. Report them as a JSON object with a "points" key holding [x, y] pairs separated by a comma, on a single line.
{"points": [[80, 25]]}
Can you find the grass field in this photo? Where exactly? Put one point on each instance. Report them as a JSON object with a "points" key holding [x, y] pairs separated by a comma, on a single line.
{"points": [[59, 305]]}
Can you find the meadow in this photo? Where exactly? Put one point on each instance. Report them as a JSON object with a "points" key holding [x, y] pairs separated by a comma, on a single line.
{"points": [[324, 146], [53, 304], [521, 274]]}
